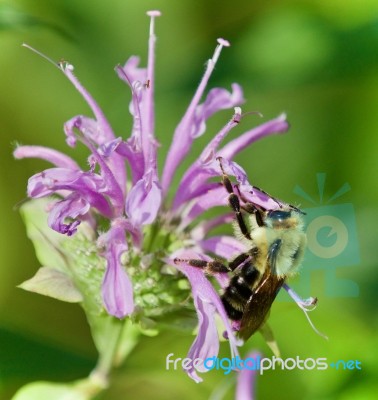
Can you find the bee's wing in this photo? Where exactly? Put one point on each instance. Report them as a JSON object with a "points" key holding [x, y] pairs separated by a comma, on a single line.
{"points": [[258, 305]]}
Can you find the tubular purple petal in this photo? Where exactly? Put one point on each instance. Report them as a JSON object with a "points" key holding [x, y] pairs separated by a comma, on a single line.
{"points": [[90, 128], [44, 153], [131, 73], [87, 126], [223, 246], [72, 207], [245, 387], [113, 188], [213, 198], [134, 77], [193, 119], [216, 100], [206, 301], [129, 150], [194, 188], [117, 290], [308, 304], [104, 131], [86, 184], [208, 153], [204, 227], [251, 193], [260, 198], [206, 165], [143, 201], [108, 148], [206, 343], [277, 125], [211, 169], [54, 179], [134, 231], [197, 174], [132, 149]]}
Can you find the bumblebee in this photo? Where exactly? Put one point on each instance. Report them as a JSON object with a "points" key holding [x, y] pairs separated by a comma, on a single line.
{"points": [[276, 242]]}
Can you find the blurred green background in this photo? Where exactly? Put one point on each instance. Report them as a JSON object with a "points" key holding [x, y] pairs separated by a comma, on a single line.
{"points": [[316, 60]]}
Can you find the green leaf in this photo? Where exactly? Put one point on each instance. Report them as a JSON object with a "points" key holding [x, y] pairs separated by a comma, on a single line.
{"points": [[15, 18], [49, 391], [47, 243], [73, 271], [53, 283], [74, 263]]}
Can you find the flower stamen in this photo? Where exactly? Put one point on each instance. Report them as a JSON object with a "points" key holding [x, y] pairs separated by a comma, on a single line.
{"points": [[149, 125], [57, 65], [306, 305], [183, 144]]}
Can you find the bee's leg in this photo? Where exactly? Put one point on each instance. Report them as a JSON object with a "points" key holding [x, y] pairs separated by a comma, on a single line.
{"points": [[240, 259], [233, 201], [252, 209], [215, 266], [210, 267]]}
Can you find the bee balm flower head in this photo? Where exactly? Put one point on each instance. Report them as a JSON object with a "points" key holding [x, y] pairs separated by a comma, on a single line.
{"points": [[137, 231]]}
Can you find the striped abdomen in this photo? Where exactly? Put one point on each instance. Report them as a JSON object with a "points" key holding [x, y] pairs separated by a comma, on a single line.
{"points": [[239, 291]]}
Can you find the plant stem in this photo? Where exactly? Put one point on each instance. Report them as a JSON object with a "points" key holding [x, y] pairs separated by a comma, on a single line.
{"points": [[106, 359]]}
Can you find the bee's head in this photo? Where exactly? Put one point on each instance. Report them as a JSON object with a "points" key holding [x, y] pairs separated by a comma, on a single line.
{"points": [[282, 219]]}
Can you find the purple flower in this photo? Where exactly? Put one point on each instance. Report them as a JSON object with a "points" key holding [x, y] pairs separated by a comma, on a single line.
{"points": [[117, 291], [207, 303], [130, 208], [246, 381]]}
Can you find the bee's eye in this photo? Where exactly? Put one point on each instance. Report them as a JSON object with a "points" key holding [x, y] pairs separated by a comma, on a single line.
{"points": [[279, 215]]}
